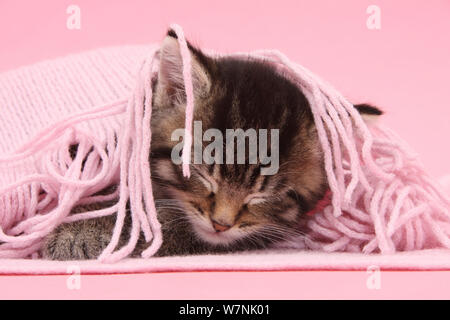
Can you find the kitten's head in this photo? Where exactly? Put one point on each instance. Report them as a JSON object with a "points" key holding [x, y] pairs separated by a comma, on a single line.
{"points": [[235, 203]]}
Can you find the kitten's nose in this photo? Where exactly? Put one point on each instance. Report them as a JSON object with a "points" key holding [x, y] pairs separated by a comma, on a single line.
{"points": [[220, 227]]}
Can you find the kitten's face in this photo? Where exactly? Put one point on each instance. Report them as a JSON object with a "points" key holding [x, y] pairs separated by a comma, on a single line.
{"points": [[223, 209], [230, 204]]}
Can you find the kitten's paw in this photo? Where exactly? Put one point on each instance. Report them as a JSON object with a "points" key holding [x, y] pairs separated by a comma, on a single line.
{"points": [[75, 241]]}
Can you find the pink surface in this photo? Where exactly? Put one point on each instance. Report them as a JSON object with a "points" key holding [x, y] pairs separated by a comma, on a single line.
{"points": [[233, 285], [402, 68]]}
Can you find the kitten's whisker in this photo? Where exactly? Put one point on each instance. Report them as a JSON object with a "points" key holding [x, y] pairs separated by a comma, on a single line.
{"points": [[287, 232]]}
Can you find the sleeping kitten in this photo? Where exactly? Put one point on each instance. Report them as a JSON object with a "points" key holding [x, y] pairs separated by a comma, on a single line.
{"points": [[221, 207]]}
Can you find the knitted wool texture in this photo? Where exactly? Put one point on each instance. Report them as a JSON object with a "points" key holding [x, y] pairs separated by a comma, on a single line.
{"points": [[381, 198]]}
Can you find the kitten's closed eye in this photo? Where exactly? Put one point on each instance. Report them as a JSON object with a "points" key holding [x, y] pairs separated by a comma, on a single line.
{"points": [[197, 207], [209, 182], [257, 198]]}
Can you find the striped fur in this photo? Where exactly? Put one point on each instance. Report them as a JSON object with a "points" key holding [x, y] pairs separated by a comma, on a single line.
{"points": [[253, 211]]}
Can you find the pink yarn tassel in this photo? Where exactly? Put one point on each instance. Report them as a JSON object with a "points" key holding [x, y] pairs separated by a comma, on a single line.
{"points": [[187, 77]]}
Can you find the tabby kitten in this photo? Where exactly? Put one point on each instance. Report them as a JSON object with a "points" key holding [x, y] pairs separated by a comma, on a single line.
{"points": [[221, 207]]}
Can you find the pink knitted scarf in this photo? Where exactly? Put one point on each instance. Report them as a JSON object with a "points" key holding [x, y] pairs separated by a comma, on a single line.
{"points": [[381, 198]]}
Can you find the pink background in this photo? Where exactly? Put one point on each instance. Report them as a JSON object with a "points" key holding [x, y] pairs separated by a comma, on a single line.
{"points": [[403, 68], [233, 285]]}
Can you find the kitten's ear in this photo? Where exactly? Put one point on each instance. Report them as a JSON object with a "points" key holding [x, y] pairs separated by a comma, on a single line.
{"points": [[368, 112], [170, 85]]}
